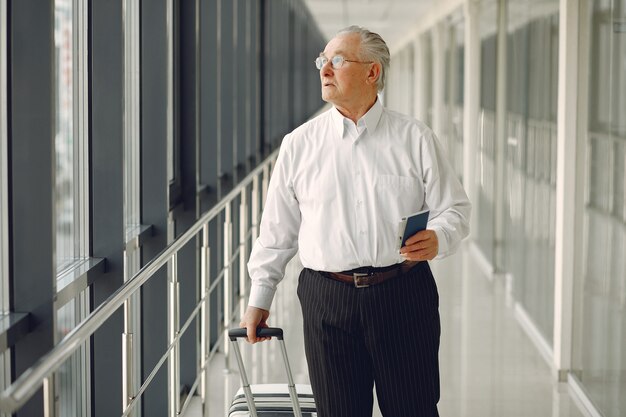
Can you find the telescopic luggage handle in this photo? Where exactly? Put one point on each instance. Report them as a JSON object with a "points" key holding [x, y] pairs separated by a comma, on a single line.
{"points": [[276, 332]]}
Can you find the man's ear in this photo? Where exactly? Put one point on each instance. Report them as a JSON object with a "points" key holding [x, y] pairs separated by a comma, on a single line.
{"points": [[374, 73]]}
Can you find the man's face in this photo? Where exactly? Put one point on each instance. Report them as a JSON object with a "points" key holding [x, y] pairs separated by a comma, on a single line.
{"points": [[347, 85]]}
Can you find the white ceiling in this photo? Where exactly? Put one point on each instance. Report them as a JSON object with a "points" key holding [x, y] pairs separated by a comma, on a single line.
{"points": [[394, 20], [391, 19]]}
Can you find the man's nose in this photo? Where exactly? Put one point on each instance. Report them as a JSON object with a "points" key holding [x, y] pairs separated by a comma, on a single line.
{"points": [[327, 69]]}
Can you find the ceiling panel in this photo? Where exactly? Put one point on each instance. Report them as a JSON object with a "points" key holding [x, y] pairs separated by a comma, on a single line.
{"points": [[392, 19]]}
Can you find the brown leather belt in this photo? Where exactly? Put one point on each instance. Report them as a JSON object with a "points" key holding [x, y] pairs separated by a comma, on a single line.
{"points": [[366, 276]]}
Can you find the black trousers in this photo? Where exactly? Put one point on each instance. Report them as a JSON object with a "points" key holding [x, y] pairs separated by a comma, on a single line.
{"points": [[387, 334]]}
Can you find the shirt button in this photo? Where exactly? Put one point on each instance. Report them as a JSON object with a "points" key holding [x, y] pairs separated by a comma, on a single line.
{"points": [[359, 202], [357, 173], [363, 232]]}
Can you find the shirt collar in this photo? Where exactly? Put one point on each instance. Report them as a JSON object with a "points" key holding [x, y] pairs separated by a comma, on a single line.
{"points": [[371, 118]]}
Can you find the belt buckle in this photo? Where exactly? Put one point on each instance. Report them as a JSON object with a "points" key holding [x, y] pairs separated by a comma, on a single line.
{"points": [[356, 276]]}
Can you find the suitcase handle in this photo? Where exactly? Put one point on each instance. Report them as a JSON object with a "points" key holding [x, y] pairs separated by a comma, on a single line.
{"points": [[277, 332], [234, 334]]}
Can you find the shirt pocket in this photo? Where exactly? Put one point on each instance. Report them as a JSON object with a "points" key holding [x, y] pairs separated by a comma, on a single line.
{"points": [[398, 196]]}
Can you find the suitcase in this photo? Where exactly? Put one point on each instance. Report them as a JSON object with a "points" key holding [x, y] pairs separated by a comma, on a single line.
{"points": [[269, 400]]}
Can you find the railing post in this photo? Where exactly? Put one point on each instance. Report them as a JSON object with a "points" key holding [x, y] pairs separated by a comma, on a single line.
{"points": [[228, 281], [130, 319], [255, 208], [266, 182], [49, 401], [173, 327], [127, 357], [205, 332], [243, 246]]}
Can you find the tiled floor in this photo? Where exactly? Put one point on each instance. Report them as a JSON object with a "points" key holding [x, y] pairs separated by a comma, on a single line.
{"points": [[489, 367]]}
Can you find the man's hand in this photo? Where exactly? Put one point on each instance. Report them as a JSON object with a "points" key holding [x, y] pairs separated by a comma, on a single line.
{"points": [[422, 246], [253, 318]]}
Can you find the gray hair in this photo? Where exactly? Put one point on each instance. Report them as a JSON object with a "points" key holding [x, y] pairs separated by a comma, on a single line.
{"points": [[373, 48]]}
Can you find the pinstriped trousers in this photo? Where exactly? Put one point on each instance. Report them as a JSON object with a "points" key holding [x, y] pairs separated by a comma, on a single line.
{"points": [[387, 334]]}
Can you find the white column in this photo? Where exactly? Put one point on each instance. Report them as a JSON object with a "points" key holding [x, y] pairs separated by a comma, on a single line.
{"points": [[471, 93], [569, 186]]}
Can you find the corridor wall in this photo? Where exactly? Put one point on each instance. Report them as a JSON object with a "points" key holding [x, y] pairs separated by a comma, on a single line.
{"points": [[547, 178]]}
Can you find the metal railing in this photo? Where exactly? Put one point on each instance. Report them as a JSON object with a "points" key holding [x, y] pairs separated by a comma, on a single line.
{"points": [[43, 371]]}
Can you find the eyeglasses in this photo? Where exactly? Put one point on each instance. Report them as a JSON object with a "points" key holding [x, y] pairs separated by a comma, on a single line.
{"points": [[336, 62]]}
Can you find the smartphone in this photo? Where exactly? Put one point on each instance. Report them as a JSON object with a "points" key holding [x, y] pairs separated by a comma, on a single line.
{"points": [[410, 225]]}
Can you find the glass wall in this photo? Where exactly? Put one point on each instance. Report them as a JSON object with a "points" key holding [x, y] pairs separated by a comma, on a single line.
{"points": [[484, 204], [399, 81], [411, 84], [70, 170], [529, 153], [5, 356], [426, 41], [530, 190], [64, 138], [4, 230], [453, 99], [71, 192], [73, 377], [599, 350]]}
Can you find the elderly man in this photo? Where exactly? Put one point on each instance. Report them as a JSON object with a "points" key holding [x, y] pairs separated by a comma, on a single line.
{"points": [[341, 184]]}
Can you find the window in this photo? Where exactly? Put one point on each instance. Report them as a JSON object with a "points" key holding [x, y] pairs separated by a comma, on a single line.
{"points": [[599, 338], [71, 208], [4, 230], [74, 375], [485, 161], [454, 92], [71, 170], [5, 365], [530, 159]]}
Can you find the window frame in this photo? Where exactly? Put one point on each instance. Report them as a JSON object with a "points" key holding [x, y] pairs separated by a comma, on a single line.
{"points": [[134, 231], [4, 200], [132, 130], [81, 113], [173, 153]]}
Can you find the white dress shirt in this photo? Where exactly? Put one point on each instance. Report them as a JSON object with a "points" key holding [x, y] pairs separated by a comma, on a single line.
{"points": [[338, 191]]}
